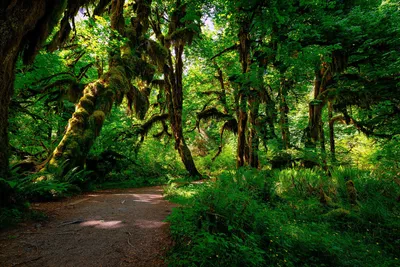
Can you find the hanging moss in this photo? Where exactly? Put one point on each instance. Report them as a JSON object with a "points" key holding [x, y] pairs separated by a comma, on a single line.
{"points": [[185, 34], [157, 53], [118, 81], [98, 117], [35, 38]]}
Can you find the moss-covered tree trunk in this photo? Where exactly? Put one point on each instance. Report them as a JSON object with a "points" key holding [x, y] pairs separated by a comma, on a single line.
{"points": [[173, 76], [87, 120], [244, 55], [284, 110], [254, 140], [96, 102], [6, 87], [315, 125], [17, 20], [24, 25], [242, 127], [331, 131], [172, 68]]}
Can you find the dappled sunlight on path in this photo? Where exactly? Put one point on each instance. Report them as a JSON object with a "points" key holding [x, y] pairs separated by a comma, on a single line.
{"points": [[104, 228]]}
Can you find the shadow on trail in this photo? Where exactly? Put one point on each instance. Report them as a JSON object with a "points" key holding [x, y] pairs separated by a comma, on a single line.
{"points": [[105, 228]]}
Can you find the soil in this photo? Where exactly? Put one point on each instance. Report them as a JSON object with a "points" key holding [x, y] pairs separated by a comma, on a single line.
{"points": [[122, 227]]}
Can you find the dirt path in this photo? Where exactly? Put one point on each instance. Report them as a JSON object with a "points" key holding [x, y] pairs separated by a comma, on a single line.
{"points": [[105, 228]]}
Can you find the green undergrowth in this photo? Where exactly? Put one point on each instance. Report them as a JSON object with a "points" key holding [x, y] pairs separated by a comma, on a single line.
{"points": [[11, 216], [55, 185], [286, 218]]}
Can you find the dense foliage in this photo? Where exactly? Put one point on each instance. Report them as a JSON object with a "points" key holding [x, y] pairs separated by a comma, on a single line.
{"points": [[290, 107]]}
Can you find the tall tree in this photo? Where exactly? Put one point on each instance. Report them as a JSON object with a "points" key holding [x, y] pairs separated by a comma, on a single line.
{"points": [[24, 26], [125, 63], [182, 27]]}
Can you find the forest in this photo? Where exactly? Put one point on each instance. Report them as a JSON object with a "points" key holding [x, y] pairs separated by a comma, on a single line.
{"points": [[272, 126]]}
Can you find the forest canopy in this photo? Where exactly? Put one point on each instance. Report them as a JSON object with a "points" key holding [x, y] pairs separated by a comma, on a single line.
{"points": [[282, 102]]}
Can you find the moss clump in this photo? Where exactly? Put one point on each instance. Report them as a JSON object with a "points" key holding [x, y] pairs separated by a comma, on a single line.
{"points": [[351, 192], [86, 103], [118, 80], [89, 135], [81, 115], [75, 121], [157, 53], [335, 214], [98, 117], [90, 90]]}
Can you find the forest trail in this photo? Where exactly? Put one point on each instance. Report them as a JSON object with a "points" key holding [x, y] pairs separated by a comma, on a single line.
{"points": [[118, 227]]}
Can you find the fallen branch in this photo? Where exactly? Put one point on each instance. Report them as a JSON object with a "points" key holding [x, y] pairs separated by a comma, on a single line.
{"points": [[71, 222]]}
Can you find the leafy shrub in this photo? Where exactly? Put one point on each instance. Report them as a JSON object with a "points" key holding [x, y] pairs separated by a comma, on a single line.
{"points": [[232, 223]]}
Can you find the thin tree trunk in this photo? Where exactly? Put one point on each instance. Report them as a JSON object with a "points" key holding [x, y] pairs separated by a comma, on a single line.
{"points": [[284, 110], [220, 78], [254, 141], [316, 128], [174, 89], [331, 131], [244, 54], [242, 127], [315, 124]]}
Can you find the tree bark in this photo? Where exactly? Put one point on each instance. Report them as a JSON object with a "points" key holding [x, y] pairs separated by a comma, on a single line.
{"points": [[87, 120], [23, 24], [284, 110], [96, 102], [174, 92], [244, 55], [254, 141], [315, 125], [173, 71], [331, 131], [242, 127], [6, 88]]}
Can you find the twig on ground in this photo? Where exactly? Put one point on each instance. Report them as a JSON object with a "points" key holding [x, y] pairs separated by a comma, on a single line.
{"points": [[67, 233], [130, 243], [25, 262], [71, 222]]}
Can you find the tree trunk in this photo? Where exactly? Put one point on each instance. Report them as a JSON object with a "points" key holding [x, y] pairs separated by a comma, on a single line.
{"points": [[173, 71], [87, 121], [244, 55], [242, 126], [315, 124], [254, 141], [6, 88], [174, 99], [220, 78], [18, 20], [284, 110], [176, 113], [331, 131], [96, 102]]}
